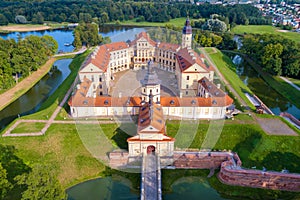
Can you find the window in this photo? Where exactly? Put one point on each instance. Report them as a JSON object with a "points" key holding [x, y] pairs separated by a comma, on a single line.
{"points": [[187, 86], [186, 92], [92, 78], [156, 90], [100, 86], [188, 78], [100, 79]]}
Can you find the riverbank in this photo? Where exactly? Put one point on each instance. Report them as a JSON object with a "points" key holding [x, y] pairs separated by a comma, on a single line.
{"points": [[278, 84], [22, 87], [30, 27]]}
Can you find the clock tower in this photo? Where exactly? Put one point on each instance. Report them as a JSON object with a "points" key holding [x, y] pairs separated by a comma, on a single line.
{"points": [[187, 35]]}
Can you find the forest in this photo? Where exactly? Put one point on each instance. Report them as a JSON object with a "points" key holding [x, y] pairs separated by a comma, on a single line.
{"points": [[20, 58], [276, 54], [107, 11]]}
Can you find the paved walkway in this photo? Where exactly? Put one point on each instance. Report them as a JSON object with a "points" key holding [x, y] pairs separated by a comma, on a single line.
{"points": [[150, 189], [289, 82]]}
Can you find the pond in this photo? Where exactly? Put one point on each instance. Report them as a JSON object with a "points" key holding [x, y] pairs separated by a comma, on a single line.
{"points": [[188, 188], [64, 37], [275, 101], [31, 101]]}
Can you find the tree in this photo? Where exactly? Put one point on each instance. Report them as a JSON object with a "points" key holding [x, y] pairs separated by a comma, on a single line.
{"points": [[5, 185], [41, 184], [20, 19], [3, 20], [215, 25]]}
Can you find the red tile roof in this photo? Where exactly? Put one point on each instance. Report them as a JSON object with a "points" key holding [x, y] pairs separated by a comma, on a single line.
{"points": [[168, 46], [100, 58], [143, 35], [188, 57], [196, 101], [151, 116]]}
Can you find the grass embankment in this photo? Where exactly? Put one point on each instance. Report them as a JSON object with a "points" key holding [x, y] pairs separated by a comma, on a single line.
{"points": [[23, 86], [295, 81], [51, 103], [176, 22], [277, 83], [227, 68], [254, 147], [263, 29]]}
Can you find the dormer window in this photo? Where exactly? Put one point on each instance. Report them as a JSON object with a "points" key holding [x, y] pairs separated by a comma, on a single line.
{"points": [[106, 102], [172, 102]]}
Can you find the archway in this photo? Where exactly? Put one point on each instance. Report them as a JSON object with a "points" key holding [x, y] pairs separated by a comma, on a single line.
{"points": [[151, 149]]}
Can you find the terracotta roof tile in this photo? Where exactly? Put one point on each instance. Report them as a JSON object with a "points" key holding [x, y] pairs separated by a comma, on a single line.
{"points": [[196, 101], [143, 35], [168, 46]]}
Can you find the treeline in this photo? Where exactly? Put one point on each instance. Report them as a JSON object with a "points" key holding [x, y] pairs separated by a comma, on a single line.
{"points": [[19, 181], [276, 54], [19, 58], [108, 11]]}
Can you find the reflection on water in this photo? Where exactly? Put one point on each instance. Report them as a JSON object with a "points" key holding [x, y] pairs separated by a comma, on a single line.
{"points": [[187, 188], [192, 188], [275, 101], [31, 101], [102, 188]]}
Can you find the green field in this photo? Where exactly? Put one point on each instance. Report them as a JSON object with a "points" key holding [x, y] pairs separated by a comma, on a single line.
{"points": [[176, 22], [263, 29], [227, 68], [27, 127]]}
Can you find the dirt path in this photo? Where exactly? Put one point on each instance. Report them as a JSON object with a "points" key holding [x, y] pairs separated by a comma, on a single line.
{"points": [[22, 87], [24, 28], [275, 127]]}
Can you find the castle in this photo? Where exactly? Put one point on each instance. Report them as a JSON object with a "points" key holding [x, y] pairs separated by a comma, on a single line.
{"points": [[197, 97]]}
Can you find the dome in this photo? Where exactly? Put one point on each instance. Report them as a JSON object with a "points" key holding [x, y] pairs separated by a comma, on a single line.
{"points": [[187, 29]]}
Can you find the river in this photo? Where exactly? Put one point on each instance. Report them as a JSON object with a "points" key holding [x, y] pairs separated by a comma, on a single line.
{"points": [[31, 101], [275, 101]]}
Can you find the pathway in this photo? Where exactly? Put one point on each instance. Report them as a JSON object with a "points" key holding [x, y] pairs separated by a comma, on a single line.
{"points": [[151, 178], [244, 104], [22, 87], [289, 82]]}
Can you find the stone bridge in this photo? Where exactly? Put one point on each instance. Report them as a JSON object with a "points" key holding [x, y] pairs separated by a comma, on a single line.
{"points": [[151, 178]]}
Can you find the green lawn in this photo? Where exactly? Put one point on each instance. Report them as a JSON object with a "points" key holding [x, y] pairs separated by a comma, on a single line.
{"points": [[28, 127], [254, 147], [176, 22], [262, 29], [295, 81], [227, 68]]}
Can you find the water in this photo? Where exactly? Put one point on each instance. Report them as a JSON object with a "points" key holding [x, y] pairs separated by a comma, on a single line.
{"points": [[102, 188], [63, 36], [31, 101], [275, 101], [190, 188]]}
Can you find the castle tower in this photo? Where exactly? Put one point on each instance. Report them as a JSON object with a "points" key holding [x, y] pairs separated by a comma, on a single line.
{"points": [[187, 35], [151, 85]]}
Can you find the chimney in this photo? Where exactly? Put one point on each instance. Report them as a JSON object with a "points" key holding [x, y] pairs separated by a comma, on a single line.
{"points": [[180, 95], [78, 86], [94, 95], [120, 94], [218, 85]]}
